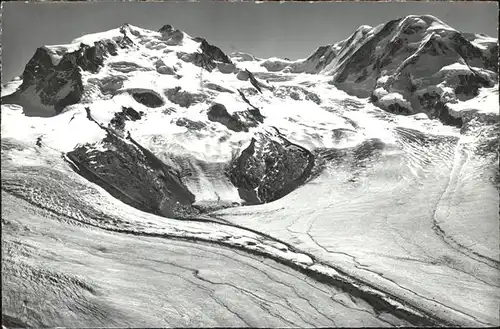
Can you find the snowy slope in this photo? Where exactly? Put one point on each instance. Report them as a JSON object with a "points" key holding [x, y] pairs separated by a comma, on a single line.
{"points": [[158, 134]]}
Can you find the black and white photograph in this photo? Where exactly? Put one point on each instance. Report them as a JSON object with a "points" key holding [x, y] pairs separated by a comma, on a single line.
{"points": [[231, 164]]}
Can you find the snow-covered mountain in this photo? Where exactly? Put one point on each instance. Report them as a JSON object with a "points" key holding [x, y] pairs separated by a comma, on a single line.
{"points": [[416, 64], [130, 86], [371, 164]]}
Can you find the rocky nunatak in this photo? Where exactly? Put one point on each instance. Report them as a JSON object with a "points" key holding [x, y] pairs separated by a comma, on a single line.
{"points": [[238, 121], [127, 114], [132, 174], [270, 168]]}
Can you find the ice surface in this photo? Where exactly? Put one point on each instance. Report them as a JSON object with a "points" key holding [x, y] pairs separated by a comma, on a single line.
{"points": [[398, 220]]}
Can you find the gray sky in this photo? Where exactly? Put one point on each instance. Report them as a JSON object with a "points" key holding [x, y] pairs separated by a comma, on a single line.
{"points": [[292, 30]]}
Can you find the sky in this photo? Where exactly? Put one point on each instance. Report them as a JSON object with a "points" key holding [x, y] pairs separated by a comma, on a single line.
{"points": [[293, 30]]}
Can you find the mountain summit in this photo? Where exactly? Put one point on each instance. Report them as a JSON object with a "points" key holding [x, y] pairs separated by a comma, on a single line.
{"points": [[408, 65]]}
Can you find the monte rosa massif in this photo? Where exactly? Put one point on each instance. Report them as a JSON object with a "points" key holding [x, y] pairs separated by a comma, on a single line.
{"points": [[151, 180]]}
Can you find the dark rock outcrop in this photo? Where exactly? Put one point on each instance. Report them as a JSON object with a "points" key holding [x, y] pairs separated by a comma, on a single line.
{"points": [[210, 57], [432, 104], [491, 58], [256, 116], [126, 66], [127, 113], [239, 121], [398, 109], [162, 68], [165, 70], [245, 99], [226, 68], [443, 114], [269, 169], [190, 124], [216, 87], [135, 176], [166, 29], [254, 81], [171, 36], [212, 52], [218, 113], [254, 111], [468, 85], [184, 98], [147, 98]]}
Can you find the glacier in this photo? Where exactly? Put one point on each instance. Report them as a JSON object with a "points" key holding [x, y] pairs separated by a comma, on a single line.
{"points": [[149, 179]]}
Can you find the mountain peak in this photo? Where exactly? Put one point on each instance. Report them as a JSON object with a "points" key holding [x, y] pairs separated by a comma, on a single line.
{"points": [[420, 44], [167, 28]]}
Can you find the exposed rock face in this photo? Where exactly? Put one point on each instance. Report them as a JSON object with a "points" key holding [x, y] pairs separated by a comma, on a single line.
{"points": [[468, 85], [55, 86], [491, 58], [321, 57], [165, 70], [436, 108], [213, 52], [239, 121], [254, 81], [243, 75], [52, 80], [126, 66], [127, 113], [226, 68], [216, 87], [184, 98], [166, 29], [398, 109], [135, 176], [148, 98], [273, 77], [218, 113], [170, 36], [210, 58], [190, 124], [162, 68], [270, 168]]}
